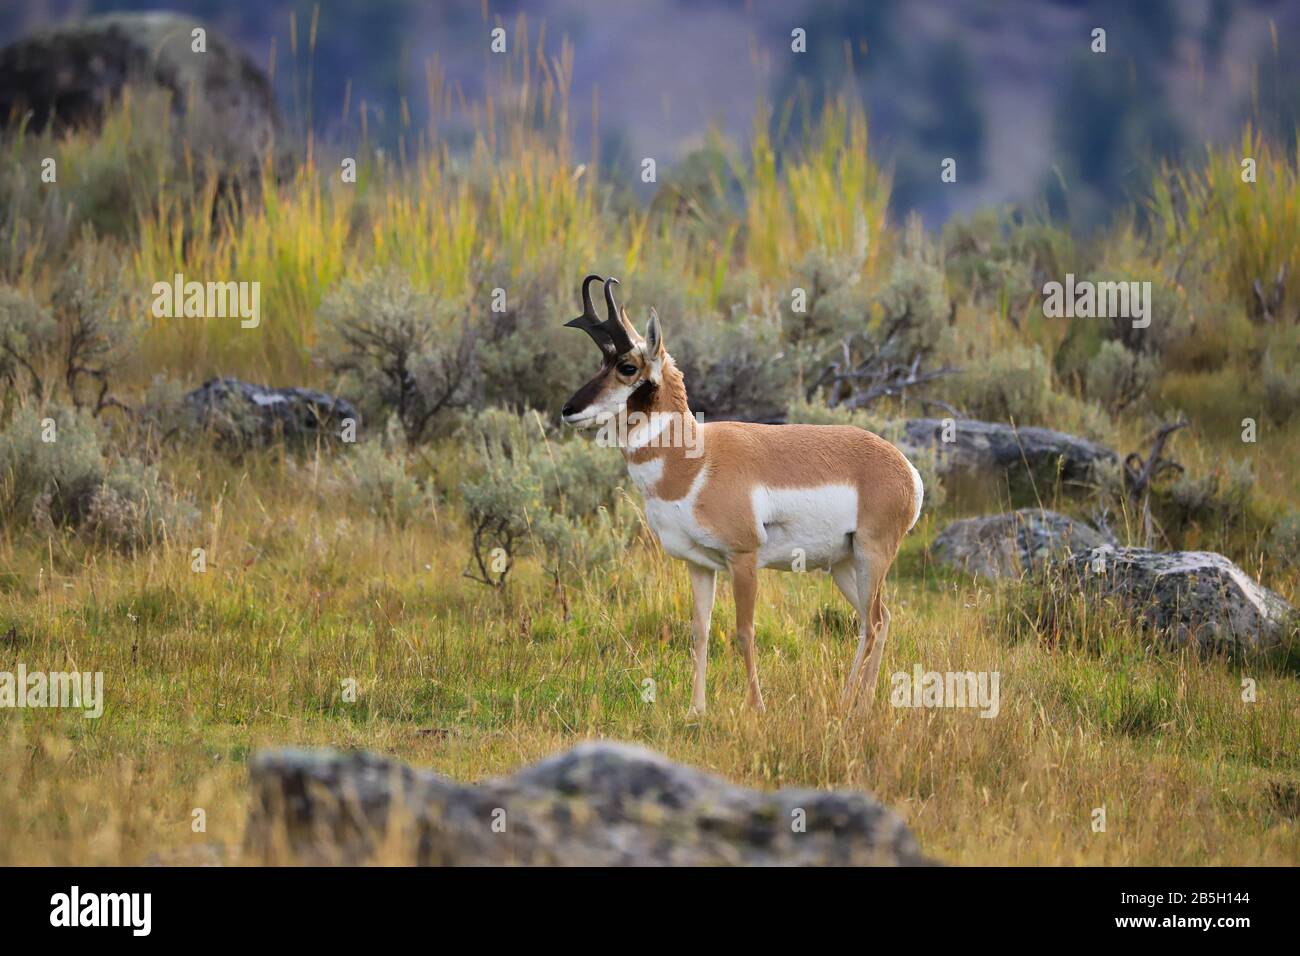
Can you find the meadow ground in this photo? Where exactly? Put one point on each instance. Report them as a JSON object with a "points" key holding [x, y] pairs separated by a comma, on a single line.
{"points": [[301, 594]]}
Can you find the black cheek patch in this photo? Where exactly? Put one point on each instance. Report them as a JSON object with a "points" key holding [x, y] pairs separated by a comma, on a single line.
{"points": [[641, 397]]}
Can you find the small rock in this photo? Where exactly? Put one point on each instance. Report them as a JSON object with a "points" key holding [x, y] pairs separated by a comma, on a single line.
{"points": [[243, 414], [993, 448], [1009, 545], [598, 804], [1190, 596]]}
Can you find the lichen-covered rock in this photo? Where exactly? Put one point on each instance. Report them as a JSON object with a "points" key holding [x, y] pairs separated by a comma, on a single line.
{"points": [[598, 804], [1190, 596], [995, 449], [243, 415], [67, 75], [1012, 544]]}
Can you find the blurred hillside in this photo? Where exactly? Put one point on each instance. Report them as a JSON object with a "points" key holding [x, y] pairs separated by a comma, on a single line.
{"points": [[982, 82]]}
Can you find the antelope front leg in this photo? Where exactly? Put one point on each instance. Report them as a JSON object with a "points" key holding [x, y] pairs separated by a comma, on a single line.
{"points": [[702, 582], [744, 582]]}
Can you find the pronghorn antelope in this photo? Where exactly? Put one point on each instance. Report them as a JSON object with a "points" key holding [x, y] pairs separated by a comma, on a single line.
{"points": [[729, 495]]}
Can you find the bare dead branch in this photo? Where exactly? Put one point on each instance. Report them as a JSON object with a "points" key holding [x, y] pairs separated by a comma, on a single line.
{"points": [[1139, 472]]}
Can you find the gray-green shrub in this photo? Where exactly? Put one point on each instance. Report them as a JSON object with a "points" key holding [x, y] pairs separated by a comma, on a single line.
{"points": [[76, 344], [561, 500], [54, 474], [375, 475], [1283, 543], [28, 336], [1117, 376], [1223, 493], [397, 350], [1014, 383]]}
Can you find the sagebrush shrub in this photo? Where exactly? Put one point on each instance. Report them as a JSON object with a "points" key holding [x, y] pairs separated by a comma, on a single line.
{"points": [[94, 336], [1283, 543], [397, 350], [1013, 383], [75, 344], [133, 506], [52, 454], [375, 475], [1001, 261], [54, 474], [28, 336], [560, 499], [859, 342], [733, 369], [524, 358], [499, 500], [1281, 387], [814, 411], [916, 297], [163, 408], [837, 300], [1223, 494], [1117, 377]]}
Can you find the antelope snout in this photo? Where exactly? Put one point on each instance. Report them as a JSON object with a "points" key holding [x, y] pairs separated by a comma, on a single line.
{"points": [[578, 417]]}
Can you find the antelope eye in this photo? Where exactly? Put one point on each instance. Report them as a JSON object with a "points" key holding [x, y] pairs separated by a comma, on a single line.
{"points": [[627, 368]]}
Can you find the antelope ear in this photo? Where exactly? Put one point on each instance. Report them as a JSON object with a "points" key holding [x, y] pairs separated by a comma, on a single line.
{"points": [[654, 337]]}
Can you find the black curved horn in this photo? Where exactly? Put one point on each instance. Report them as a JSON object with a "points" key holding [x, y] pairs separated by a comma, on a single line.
{"points": [[613, 324], [610, 308], [588, 321], [610, 335], [589, 310]]}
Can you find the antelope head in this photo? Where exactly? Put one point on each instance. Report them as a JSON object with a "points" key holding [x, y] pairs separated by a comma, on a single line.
{"points": [[629, 364]]}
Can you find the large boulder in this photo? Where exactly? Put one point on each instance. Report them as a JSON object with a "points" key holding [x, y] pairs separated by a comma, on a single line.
{"points": [[1012, 544], [69, 74], [993, 449], [1190, 596], [243, 414], [598, 804]]}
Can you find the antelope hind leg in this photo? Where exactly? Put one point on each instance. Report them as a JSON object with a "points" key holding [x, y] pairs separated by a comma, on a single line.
{"points": [[744, 582]]}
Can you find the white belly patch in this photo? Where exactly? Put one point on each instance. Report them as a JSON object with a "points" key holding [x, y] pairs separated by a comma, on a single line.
{"points": [[798, 528], [805, 528]]}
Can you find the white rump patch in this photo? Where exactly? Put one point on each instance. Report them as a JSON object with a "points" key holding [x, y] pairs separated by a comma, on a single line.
{"points": [[920, 495]]}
